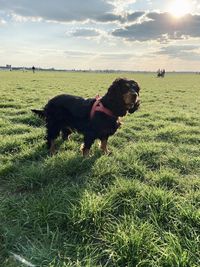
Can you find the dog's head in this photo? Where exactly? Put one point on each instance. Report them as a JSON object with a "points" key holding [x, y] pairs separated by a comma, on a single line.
{"points": [[124, 96]]}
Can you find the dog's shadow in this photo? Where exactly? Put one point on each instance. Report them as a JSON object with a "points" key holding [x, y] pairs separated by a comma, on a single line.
{"points": [[37, 169]]}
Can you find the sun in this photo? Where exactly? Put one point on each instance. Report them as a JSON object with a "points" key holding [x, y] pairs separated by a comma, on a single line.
{"points": [[179, 8]]}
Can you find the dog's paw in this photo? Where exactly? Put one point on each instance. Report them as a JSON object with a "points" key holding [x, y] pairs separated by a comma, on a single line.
{"points": [[85, 151]]}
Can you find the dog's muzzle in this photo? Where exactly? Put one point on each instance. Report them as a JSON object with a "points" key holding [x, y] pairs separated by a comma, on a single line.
{"points": [[135, 97], [135, 103], [133, 100]]}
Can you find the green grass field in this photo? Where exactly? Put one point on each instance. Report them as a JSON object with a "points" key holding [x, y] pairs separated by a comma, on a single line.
{"points": [[138, 207]]}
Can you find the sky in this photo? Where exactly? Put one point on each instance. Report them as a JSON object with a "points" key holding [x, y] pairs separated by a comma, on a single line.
{"points": [[137, 35]]}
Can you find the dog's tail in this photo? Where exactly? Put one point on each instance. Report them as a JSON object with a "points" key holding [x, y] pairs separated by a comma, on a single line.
{"points": [[40, 113]]}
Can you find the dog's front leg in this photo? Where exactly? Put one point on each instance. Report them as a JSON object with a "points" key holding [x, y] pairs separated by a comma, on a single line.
{"points": [[52, 149], [88, 141], [103, 146]]}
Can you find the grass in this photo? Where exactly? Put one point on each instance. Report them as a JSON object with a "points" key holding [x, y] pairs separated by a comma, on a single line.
{"points": [[138, 207]]}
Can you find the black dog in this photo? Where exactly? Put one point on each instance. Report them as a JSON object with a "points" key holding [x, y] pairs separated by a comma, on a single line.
{"points": [[95, 118]]}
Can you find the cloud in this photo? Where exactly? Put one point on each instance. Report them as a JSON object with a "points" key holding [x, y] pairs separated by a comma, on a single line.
{"points": [[2, 22], [185, 52], [107, 56], [67, 11], [79, 54], [60, 10], [109, 17], [121, 5], [134, 16], [161, 26], [85, 33]]}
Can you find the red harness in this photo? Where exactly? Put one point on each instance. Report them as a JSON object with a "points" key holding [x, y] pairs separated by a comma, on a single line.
{"points": [[98, 106]]}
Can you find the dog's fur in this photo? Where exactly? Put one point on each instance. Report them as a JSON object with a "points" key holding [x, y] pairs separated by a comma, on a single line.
{"points": [[66, 113]]}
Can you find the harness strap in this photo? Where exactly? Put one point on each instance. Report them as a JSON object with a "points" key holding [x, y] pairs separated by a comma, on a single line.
{"points": [[98, 106]]}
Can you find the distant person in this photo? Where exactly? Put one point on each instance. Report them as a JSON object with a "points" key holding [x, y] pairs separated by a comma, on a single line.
{"points": [[158, 73], [33, 69], [163, 73]]}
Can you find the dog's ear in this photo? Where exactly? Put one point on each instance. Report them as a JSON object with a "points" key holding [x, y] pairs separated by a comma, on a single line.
{"points": [[115, 95], [115, 87]]}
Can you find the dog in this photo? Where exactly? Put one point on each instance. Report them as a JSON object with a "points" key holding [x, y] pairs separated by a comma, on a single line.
{"points": [[95, 118]]}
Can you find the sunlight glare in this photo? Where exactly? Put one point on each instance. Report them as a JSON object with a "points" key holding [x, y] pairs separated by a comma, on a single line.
{"points": [[180, 7]]}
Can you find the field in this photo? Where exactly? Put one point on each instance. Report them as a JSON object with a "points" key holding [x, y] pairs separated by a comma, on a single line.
{"points": [[140, 206]]}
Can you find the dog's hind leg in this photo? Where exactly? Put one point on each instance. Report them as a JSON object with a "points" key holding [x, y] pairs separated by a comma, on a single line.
{"points": [[53, 131]]}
